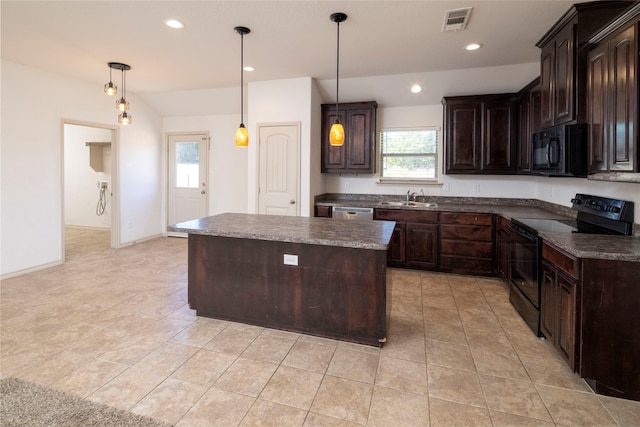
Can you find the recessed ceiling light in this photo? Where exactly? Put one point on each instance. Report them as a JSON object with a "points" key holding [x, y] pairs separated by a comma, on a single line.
{"points": [[173, 23], [416, 88], [473, 46], [248, 68]]}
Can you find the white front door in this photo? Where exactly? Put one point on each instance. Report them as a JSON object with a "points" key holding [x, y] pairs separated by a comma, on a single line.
{"points": [[188, 177], [279, 169]]}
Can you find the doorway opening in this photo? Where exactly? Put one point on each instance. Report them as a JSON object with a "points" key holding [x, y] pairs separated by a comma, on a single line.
{"points": [[188, 178], [89, 182]]}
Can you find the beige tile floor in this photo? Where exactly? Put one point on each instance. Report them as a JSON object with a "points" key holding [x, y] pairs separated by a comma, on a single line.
{"points": [[113, 326]]}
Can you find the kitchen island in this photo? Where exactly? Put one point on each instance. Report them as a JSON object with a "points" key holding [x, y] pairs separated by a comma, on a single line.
{"points": [[316, 276]]}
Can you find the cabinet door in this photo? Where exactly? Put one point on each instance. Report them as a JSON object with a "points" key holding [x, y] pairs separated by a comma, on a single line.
{"points": [[564, 76], [623, 54], [422, 245], [498, 142], [334, 159], [548, 303], [360, 139], [597, 99], [396, 252], [546, 85], [463, 133], [566, 318]]}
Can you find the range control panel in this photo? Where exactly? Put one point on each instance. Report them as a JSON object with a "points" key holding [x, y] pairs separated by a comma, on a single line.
{"points": [[614, 209]]}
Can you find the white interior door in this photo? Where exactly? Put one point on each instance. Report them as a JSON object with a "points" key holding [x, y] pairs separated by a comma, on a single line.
{"points": [[279, 169], [187, 197]]}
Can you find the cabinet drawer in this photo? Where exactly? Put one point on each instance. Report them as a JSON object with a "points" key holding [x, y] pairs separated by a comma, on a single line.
{"points": [[466, 248], [466, 218], [429, 217], [323, 211], [562, 260], [476, 233], [466, 265]]}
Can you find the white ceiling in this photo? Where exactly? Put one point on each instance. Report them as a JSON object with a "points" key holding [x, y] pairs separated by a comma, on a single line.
{"points": [[288, 39]]}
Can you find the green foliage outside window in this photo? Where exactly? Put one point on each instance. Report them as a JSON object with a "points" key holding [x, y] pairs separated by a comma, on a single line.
{"points": [[409, 153]]}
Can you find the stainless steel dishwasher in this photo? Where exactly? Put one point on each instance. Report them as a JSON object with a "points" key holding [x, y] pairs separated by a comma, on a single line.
{"points": [[345, 212]]}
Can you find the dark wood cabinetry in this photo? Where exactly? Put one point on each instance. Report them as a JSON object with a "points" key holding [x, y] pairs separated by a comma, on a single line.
{"points": [[466, 243], [529, 104], [323, 211], [414, 242], [357, 154], [559, 309], [613, 102], [610, 321], [480, 134], [563, 60], [503, 248]]}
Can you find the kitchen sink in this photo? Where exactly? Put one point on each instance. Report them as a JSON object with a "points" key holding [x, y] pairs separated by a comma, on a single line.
{"points": [[415, 204]]}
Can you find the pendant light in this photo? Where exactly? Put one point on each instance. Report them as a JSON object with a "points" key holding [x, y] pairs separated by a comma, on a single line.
{"points": [[110, 89], [242, 136], [336, 134]]}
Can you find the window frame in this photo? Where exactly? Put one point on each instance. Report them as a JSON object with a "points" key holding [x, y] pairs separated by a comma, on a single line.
{"points": [[388, 180]]}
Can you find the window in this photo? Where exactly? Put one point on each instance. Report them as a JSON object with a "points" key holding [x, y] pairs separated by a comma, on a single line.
{"points": [[187, 165], [409, 154]]}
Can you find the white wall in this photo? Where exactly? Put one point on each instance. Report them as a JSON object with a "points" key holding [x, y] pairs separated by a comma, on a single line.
{"points": [[34, 103], [284, 101], [81, 193], [227, 163]]}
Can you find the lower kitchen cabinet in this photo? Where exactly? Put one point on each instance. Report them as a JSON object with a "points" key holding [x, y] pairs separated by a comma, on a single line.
{"points": [[503, 248], [414, 242], [559, 307], [466, 243]]}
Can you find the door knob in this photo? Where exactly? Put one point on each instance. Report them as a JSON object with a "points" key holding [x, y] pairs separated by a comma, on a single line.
{"points": [[292, 202], [202, 192]]}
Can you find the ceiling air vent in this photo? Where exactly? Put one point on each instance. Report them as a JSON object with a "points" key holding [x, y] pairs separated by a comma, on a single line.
{"points": [[456, 19]]}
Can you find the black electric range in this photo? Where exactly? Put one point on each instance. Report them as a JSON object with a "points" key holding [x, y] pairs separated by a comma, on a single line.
{"points": [[595, 215]]}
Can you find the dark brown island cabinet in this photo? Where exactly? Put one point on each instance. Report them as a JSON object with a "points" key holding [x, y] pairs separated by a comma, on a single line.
{"points": [[563, 60], [503, 248], [357, 154], [612, 104], [480, 134]]}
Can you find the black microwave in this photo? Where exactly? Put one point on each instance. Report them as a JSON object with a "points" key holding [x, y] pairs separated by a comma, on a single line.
{"points": [[560, 151]]}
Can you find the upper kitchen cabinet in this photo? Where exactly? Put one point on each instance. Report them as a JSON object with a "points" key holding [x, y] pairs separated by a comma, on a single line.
{"points": [[528, 122], [357, 154], [480, 134], [612, 103], [563, 60]]}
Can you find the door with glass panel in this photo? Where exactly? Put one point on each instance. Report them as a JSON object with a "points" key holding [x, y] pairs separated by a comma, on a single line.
{"points": [[188, 177]]}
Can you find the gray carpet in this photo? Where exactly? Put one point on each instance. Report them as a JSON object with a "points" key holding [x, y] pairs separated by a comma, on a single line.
{"points": [[27, 404]]}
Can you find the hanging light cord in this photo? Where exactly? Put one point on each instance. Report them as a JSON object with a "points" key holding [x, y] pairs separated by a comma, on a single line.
{"points": [[241, 79], [337, 69]]}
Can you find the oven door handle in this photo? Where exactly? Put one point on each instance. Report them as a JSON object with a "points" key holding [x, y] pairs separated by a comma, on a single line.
{"points": [[524, 233]]}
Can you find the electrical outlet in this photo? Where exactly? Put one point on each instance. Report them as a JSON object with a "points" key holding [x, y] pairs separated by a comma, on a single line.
{"points": [[290, 259], [476, 188], [103, 184], [130, 225], [445, 187]]}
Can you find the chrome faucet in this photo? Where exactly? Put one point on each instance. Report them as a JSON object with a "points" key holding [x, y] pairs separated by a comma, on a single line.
{"points": [[411, 196]]}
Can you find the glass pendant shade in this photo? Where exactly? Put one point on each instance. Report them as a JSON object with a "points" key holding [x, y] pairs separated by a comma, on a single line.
{"points": [[110, 89], [124, 118], [242, 136], [122, 104], [336, 134]]}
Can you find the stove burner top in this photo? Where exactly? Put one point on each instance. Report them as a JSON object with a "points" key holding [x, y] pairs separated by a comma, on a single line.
{"points": [[548, 225]]}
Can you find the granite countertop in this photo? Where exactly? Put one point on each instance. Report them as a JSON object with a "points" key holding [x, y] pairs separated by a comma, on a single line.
{"points": [[623, 248], [317, 231]]}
